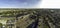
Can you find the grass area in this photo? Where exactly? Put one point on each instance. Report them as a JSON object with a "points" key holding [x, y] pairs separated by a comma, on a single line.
{"points": [[4, 19], [24, 22]]}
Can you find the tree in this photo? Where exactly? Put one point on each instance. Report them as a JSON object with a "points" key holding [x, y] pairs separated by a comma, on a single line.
{"points": [[1, 25]]}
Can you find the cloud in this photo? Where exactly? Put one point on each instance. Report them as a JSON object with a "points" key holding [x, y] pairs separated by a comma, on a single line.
{"points": [[50, 4]]}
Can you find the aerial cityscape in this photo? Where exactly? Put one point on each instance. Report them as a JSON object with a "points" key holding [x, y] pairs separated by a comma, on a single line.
{"points": [[29, 18]]}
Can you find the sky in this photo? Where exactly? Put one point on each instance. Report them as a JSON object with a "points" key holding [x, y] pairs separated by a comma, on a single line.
{"points": [[50, 4], [29, 3], [20, 3]]}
